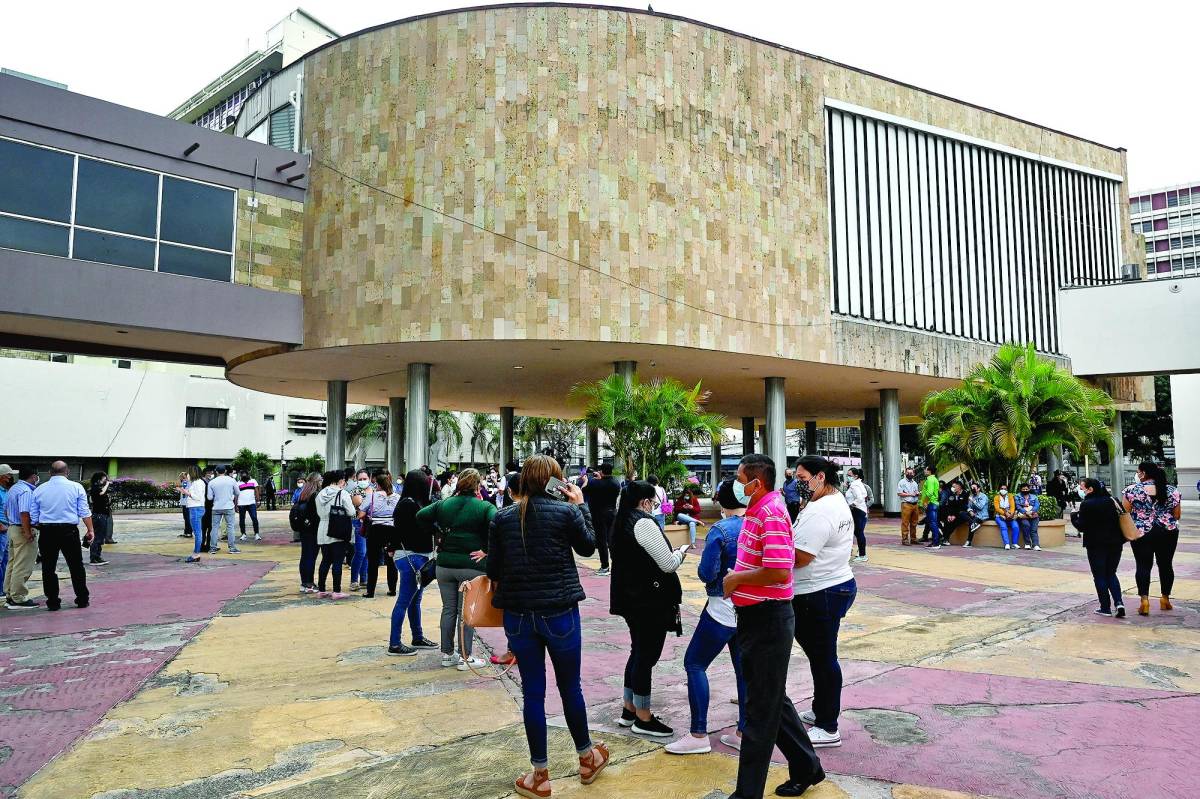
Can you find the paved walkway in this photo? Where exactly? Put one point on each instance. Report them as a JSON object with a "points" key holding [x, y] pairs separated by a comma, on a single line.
{"points": [[968, 673]]}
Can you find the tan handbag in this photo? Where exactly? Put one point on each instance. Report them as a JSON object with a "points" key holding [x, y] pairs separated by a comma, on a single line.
{"points": [[1128, 528], [478, 611]]}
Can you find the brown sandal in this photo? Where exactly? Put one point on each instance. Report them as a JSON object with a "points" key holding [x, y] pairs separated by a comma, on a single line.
{"points": [[539, 779], [588, 769]]}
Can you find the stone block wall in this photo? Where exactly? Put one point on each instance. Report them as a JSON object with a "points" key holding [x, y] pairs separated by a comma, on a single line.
{"points": [[269, 242]]}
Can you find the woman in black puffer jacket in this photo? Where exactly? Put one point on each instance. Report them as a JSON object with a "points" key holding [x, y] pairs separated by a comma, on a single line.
{"points": [[1099, 519], [529, 557]]}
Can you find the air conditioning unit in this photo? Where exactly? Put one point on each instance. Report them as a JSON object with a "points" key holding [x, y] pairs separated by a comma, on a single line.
{"points": [[1130, 272]]}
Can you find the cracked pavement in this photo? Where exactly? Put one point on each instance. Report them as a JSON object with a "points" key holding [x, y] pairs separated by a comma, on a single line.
{"points": [[968, 673]]}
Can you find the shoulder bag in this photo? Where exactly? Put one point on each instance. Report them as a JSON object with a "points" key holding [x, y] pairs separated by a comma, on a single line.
{"points": [[1128, 528], [478, 611], [339, 526]]}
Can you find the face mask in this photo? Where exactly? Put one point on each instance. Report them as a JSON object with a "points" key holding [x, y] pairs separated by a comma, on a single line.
{"points": [[364, 483], [1004, 492], [806, 491], [740, 494]]}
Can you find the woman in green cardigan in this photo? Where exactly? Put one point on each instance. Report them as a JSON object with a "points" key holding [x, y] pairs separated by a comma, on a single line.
{"points": [[461, 524]]}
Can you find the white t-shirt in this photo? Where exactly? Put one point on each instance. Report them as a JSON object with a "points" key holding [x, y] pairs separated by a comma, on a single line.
{"points": [[246, 492], [195, 495], [721, 610], [824, 529], [856, 495]]}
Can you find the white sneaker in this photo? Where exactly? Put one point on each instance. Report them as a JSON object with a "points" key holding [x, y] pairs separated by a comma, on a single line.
{"points": [[473, 661], [258, 538], [353, 586], [808, 717], [859, 559], [242, 537], [967, 545], [822, 739], [451, 660], [732, 741], [1006, 546], [1028, 547], [689, 745], [1037, 549]]}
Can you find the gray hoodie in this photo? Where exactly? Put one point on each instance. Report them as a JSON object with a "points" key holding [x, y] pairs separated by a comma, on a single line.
{"points": [[325, 501]]}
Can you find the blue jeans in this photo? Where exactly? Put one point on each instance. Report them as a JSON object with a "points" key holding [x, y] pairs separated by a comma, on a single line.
{"points": [[3, 559], [358, 564], [196, 516], [683, 518], [709, 638], [1008, 530], [1104, 561], [408, 598], [931, 520], [217, 516], [530, 635], [253, 511], [1029, 531], [661, 518], [818, 619], [308, 561]]}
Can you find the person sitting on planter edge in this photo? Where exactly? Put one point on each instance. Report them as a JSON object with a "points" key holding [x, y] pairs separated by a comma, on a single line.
{"points": [[977, 512], [953, 511], [1028, 509]]}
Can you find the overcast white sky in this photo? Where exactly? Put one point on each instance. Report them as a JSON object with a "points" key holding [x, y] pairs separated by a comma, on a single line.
{"points": [[1100, 69]]}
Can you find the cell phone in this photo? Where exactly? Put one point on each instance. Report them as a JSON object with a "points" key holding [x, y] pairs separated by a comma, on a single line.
{"points": [[557, 489]]}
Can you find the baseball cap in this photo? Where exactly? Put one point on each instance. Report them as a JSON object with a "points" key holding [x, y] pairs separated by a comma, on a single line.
{"points": [[6, 469]]}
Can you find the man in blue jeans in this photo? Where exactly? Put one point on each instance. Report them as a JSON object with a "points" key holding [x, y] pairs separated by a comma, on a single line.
{"points": [[930, 494]]}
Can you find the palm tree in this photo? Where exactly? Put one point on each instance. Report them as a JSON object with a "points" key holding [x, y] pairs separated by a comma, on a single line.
{"points": [[444, 428], [532, 430], [365, 426], [649, 424], [485, 434], [1007, 411]]}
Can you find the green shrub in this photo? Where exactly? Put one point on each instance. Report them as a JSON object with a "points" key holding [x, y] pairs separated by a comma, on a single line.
{"points": [[129, 493]]}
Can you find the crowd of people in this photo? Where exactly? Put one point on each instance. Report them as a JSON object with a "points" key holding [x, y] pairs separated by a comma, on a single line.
{"points": [[777, 568]]}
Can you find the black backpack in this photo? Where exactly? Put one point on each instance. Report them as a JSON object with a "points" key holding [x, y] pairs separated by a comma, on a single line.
{"points": [[302, 519]]}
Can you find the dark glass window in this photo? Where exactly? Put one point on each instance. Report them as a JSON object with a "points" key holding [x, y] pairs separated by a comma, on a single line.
{"points": [[195, 263], [193, 213], [35, 181], [109, 248], [22, 234], [116, 198], [207, 417]]}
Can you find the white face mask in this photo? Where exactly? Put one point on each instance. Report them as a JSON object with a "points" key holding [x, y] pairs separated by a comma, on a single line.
{"points": [[1004, 492], [364, 483]]}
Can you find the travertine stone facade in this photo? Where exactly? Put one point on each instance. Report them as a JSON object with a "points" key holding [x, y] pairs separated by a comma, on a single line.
{"points": [[597, 175], [277, 227]]}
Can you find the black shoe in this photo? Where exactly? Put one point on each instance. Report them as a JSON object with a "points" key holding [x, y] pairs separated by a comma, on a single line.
{"points": [[401, 650], [184, 535], [391, 593], [424, 643], [97, 561], [627, 717], [1102, 612], [654, 727], [1120, 611], [110, 541], [798, 787], [23, 605], [82, 604], [53, 607]]}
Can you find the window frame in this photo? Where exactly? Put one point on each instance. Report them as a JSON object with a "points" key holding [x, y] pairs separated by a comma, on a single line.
{"points": [[190, 419], [72, 226]]}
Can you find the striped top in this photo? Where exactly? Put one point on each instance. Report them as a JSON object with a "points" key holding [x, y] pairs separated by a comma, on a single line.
{"points": [[765, 542]]}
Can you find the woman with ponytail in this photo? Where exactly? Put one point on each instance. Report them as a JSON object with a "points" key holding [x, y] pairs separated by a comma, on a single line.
{"points": [[530, 558], [1155, 508]]}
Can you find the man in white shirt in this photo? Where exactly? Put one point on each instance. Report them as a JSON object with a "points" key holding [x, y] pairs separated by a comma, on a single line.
{"points": [[223, 491], [247, 502]]}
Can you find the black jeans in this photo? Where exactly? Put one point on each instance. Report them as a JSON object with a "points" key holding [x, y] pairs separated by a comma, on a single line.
{"points": [[793, 510], [1104, 561], [1157, 545], [375, 547], [860, 530], [102, 524], [646, 639], [253, 511], [818, 620], [308, 560], [332, 555], [270, 497], [206, 527], [602, 527], [64, 538], [764, 633]]}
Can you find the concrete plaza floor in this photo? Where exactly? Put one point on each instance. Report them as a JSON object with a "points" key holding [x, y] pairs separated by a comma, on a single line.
{"points": [[968, 673]]}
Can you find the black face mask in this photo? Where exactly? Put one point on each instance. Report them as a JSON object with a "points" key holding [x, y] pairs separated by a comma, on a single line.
{"points": [[804, 490]]}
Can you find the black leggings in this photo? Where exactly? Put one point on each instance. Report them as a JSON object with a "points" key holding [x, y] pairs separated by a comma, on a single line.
{"points": [[860, 530], [332, 555], [375, 546], [1157, 545], [646, 639]]}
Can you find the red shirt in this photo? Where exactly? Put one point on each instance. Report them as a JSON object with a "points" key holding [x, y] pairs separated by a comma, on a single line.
{"points": [[765, 542]]}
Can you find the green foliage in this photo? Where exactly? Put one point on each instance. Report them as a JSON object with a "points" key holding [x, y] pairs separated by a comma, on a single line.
{"points": [[127, 493], [1048, 507], [257, 464], [307, 465], [648, 425], [540, 434], [485, 436], [365, 426], [1145, 435], [1007, 411]]}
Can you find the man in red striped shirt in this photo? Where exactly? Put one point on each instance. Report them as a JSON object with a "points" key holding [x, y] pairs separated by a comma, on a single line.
{"points": [[760, 585]]}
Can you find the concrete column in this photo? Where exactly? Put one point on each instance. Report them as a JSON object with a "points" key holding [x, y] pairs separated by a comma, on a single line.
{"points": [[762, 439], [715, 463], [592, 456], [870, 437], [335, 424], [1053, 461], [506, 437], [1118, 455], [889, 412], [626, 369], [747, 435], [416, 417], [810, 438], [775, 441], [395, 438]]}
